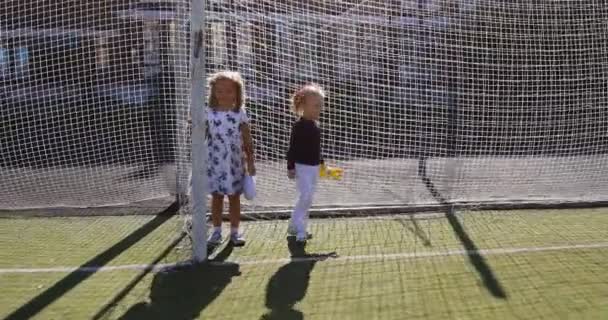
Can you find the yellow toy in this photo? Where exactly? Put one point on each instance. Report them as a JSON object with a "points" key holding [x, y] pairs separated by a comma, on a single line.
{"points": [[331, 172]]}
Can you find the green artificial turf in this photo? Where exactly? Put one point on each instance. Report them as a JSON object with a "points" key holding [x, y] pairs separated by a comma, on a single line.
{"points": [[524, 264]]}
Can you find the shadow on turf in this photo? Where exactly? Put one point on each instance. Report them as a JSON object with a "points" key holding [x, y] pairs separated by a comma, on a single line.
{"points": [[289, 284], [70, 281], [108, 307], [416, 230], [184, 292], [475, 258]]}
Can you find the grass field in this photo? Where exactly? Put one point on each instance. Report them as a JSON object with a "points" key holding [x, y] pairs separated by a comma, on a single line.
{"points": [[525, 264]]}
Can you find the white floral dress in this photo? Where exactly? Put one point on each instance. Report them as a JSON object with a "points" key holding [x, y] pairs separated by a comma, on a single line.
{"points": [[226, 162]]}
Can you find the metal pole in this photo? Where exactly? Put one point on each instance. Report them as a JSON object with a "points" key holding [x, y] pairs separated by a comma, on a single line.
{"points": [[199, 121]]}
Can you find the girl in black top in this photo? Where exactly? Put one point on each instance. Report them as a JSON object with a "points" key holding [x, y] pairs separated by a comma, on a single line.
{"points": [[304, 156]]}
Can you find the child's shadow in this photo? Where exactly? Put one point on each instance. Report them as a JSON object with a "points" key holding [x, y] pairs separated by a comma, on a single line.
{"points": [[183, 293], [289, 284]]}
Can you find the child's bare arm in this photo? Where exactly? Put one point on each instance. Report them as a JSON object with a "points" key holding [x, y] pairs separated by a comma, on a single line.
{"points": [[248, 147]]}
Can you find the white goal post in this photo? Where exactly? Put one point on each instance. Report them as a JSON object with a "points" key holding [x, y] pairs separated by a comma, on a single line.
{"points": [[198, 95]]}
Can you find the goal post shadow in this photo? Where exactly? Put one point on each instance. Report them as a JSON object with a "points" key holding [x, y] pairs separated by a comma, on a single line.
{"points": [[198, 285], [74, 278], [476, 259]]}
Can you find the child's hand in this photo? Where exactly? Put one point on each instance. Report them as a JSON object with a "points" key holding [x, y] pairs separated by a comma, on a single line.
{"points": [[291, 174], [251, 169]]}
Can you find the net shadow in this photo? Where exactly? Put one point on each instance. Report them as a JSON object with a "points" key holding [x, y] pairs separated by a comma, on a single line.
{"points": [[415, 229], [475, 258], [127, 289], [73, 279]]}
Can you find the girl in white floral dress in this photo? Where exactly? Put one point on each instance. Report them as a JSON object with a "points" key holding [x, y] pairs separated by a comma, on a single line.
{"points": [[230, 151]]}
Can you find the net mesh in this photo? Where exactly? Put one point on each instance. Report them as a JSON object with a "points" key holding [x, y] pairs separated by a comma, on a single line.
{"points": [[428, 101], [95, 97]]}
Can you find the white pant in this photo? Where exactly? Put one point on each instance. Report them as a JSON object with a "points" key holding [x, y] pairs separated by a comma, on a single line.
{"points": [[306, 182]]}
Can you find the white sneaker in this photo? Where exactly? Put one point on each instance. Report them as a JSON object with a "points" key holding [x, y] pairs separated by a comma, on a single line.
{"points": [[237, 239], [302, 237], [215, 238], [291, 230]]}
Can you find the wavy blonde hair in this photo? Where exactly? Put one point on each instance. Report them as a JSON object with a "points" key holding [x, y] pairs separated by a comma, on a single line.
{"points": [[298, 97], [233, 76]]}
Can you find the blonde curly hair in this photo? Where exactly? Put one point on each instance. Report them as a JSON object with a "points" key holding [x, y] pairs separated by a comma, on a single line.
{"points": [[233, 76], [298, 97]]}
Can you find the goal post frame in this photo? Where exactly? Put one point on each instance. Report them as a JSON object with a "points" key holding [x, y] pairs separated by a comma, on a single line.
{"points": [[199, 146]]}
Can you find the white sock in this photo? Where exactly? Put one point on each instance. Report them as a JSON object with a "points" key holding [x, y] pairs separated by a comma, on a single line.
{"points": [[234, 230], [217, 230]]}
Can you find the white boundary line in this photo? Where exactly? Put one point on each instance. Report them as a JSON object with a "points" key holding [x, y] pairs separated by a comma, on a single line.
{"points": [[379, 257]]}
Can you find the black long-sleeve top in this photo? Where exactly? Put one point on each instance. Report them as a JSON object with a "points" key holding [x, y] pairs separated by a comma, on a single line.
{"points": [[304, 144]]}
